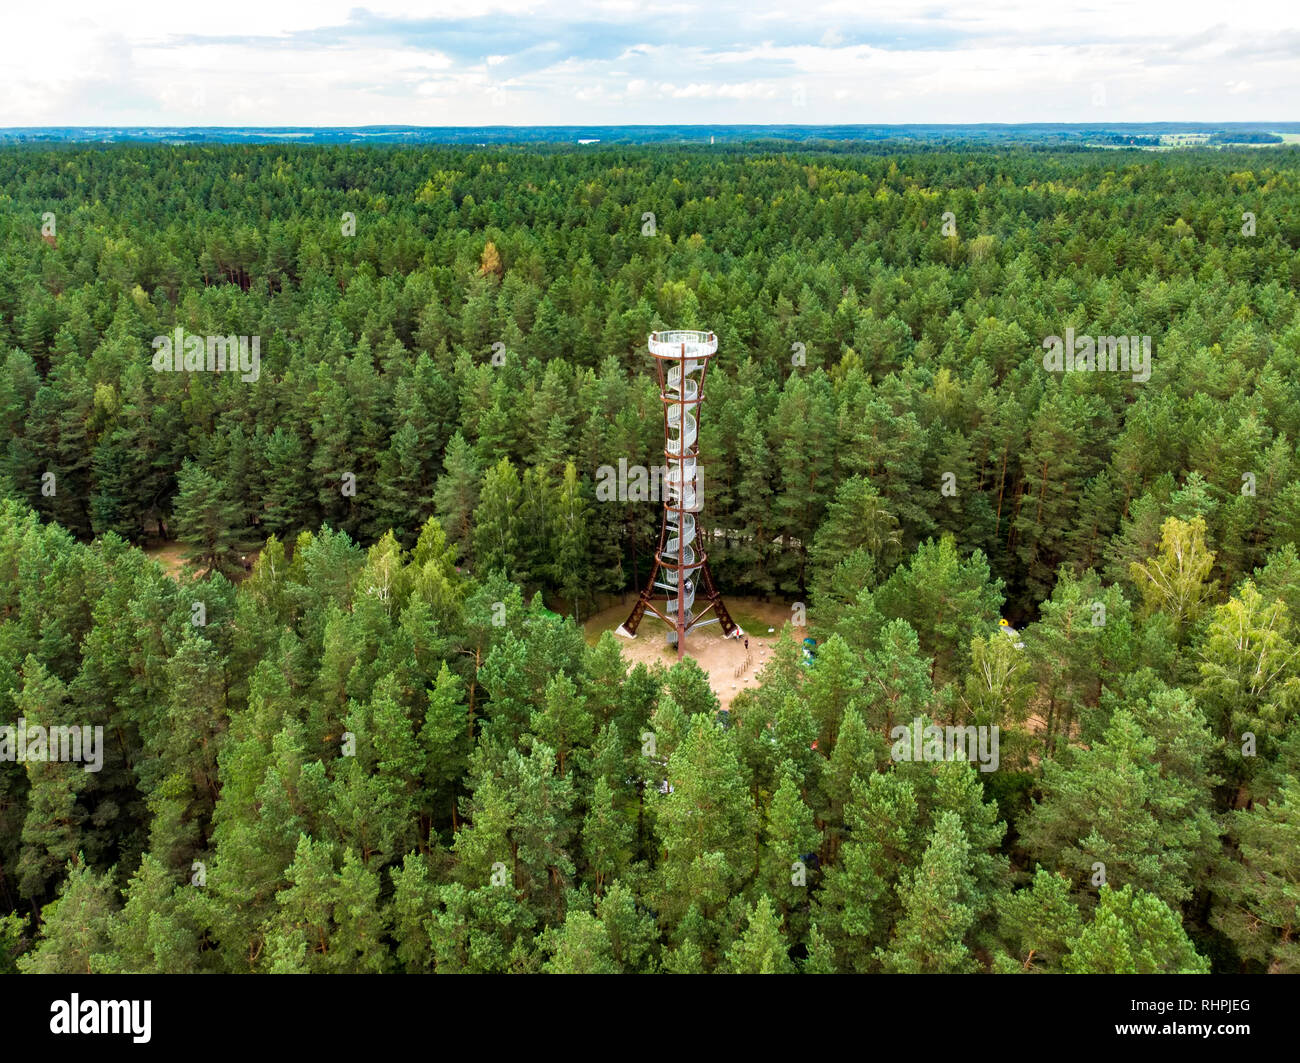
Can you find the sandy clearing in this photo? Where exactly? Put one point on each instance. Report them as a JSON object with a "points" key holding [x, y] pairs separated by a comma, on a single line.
{"points": [[171, 555], [172, 558], [720, 658]]}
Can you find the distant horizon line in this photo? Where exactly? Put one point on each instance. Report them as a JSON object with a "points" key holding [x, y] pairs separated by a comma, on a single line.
{"points": [[674, 125]]}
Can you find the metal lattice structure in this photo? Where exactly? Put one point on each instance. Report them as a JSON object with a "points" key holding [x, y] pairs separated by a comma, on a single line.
{"points": [[681, 565]]}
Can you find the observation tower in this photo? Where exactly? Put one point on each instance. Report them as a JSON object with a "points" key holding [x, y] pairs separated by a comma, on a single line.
{"points": [[681, 566]]}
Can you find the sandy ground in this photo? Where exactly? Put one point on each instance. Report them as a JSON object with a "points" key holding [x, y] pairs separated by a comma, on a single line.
{"points": [[171, 556], [720, 658]]}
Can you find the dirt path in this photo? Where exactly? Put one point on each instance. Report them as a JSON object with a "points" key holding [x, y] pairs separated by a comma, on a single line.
{"points": [[719, 657]]}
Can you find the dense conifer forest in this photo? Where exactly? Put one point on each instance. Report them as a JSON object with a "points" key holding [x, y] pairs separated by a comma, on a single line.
{"points": [[363, 728]]}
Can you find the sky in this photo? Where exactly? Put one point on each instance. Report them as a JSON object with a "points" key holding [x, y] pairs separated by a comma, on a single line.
{"points": [[614, 62]]}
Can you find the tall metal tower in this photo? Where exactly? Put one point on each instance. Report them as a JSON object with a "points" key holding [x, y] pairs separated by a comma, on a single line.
{"points": [[681, 564]]}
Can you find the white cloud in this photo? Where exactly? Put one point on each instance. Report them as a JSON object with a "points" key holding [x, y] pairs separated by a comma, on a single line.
{"points": [[328, 62]]}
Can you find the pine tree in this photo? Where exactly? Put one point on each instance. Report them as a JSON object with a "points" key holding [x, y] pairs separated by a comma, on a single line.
{"points": [[854, 755], [498, 536], [858, 518], [582, 947], [833, 685], [633, 936], [752, 557], [896, 683], [857, 904], [289, 505], [74, 926], [1255, 892], [569, 569], [563, 722], [52, 829], [1037, 924], [607, 836], [1057, 463], [412, 913], [801, 430], [153, 933], [707, 824], [207, 520], [762, 948], [946, 600], [11, 942], [299, 936], [361, 920], [445, 741], [400, 489], [456, 494], [936, 916], [1133, 932], [1114, 804], [334, 434], [789, 838]]}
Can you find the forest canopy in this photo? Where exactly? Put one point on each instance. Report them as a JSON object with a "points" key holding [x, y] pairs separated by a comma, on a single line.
{"points": [[352, 736]]}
